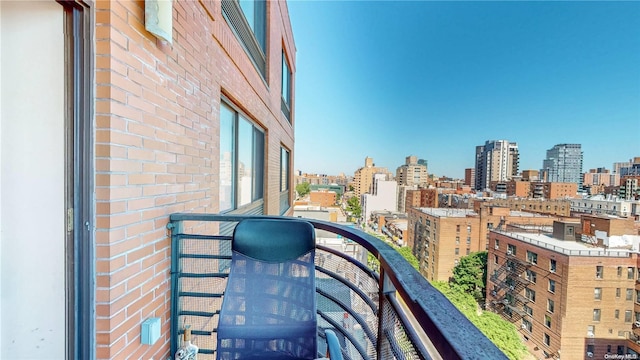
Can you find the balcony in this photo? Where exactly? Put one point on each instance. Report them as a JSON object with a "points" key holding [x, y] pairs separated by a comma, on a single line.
{"points": [[391, 312]]}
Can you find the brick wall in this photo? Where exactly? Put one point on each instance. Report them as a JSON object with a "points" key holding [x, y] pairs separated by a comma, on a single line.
{"points": [[157, 148]]}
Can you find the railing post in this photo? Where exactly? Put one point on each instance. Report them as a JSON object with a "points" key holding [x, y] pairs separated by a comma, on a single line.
{"points": [[385, 287], [175, 228]]}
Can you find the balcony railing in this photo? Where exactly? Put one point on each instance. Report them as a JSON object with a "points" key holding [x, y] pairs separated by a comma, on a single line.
{"points": [[392, 313]]}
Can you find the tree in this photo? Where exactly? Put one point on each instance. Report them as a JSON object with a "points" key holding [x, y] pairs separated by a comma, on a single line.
{"points": [[406, 253], [470, 275], [303, 189], [353, 206]]}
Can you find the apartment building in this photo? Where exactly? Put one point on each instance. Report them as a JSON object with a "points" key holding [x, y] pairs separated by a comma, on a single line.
{"points": [[563, 164], [596, 180], [439, 237], [412, 172], [599, 205], [322, 179], [113, 122], [470, 177], [557, 207], [421, 198], [569, 298], [530, 175], [383, 197], [630, 187], [402, 196], [535, 189], [324, 198], [496, 160], [363, 177]]}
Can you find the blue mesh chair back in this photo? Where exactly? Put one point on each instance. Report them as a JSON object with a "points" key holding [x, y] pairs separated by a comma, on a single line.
{"points": [[269, 305]]}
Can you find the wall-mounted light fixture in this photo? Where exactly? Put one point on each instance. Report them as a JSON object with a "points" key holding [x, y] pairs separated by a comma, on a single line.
{"points": [[158, 18]]}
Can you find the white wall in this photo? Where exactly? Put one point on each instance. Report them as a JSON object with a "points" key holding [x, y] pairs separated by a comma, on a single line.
{"points": [[32, 233]]}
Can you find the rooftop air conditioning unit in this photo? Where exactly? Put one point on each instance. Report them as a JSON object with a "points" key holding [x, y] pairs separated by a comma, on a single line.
{"points": [[589, 354]]}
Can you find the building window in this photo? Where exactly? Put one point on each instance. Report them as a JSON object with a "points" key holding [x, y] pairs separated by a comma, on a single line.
{"points": [[241, 160], [619, 271], [550, 306], [284, 180], [547, 339], [458, 228], [457, 251], [528, 310], [286, 87], [468, 251], [630, 273], [638, 296], [531, 276], [530, 294], [617, 292], [591, 331], [468, 240], [497, 246], [629, 296], [552, 286], [252, 33], [457, 240], [547, 321], [620, 350], [597, 293], [596, 314], [552, 265], [627, 316], [616, 314], [599, 272], [511, 249], [495, 259], [526, 324], [532, 257], [468, 229]]}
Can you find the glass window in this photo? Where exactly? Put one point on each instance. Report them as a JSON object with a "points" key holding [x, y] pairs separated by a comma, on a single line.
{"points": [[495, 259], [552, 286], [547, 339], [468, 240], [550, 306], [629, 294], [457, 251], [252, 32], [531, 276], [526, 324], [631, 272], [511, 249], [532, 257], [528, 310], [617, 292], [627, 316], [616, 314], [599, 272], [284, 180], [286, 87], [547, 321], [530, 294], [497, 246], [241, 160], [597, 293], [457, 240], [552, 265], [596, 314], [619, 271]]}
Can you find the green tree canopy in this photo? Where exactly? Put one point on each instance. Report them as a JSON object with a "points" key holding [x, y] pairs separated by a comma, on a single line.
{"points": [[406, 253], [303, 189], [353, 206], [470, 275]]}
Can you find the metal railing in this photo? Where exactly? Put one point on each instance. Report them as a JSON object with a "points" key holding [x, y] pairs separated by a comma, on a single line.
{"points": [[393, 314]]}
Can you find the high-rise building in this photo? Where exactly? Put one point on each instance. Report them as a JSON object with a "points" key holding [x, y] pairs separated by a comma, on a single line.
{"points": [[496, 160], [363, 177], [470, 177], [563, 164], [413, 172]]}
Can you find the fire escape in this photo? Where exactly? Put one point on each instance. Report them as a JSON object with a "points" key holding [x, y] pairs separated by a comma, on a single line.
{"points": [[511, 280]]}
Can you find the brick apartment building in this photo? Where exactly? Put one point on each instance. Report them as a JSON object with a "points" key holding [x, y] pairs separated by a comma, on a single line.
{"points": [[125, 128], [535, 189], [421, 198], [324, 198], [558, 207], [569, 296], [440, 237]]}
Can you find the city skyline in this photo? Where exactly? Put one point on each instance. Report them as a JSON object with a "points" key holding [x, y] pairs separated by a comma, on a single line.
{"points": [[436, 79]]}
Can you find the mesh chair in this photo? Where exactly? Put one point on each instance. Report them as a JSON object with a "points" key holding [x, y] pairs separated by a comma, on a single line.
{"points": [[269, 305]]}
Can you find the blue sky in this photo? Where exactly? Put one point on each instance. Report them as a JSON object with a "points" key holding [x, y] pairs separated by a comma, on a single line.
{"points": [[436, 79]]}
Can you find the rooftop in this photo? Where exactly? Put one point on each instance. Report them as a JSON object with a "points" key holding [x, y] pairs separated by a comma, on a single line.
{"points": [[566, 247], [441, 212]]}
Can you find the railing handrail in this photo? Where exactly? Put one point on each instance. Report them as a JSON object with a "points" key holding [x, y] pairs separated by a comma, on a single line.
{"points": [[451, 333]]}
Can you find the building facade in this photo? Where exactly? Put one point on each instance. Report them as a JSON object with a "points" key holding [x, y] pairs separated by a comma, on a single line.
{"points": [[470, 177], [558, 207], [363, 177], [568, 299], [563, 164], [412, 173], [496, 160], [127, 124], [440, 237]]}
